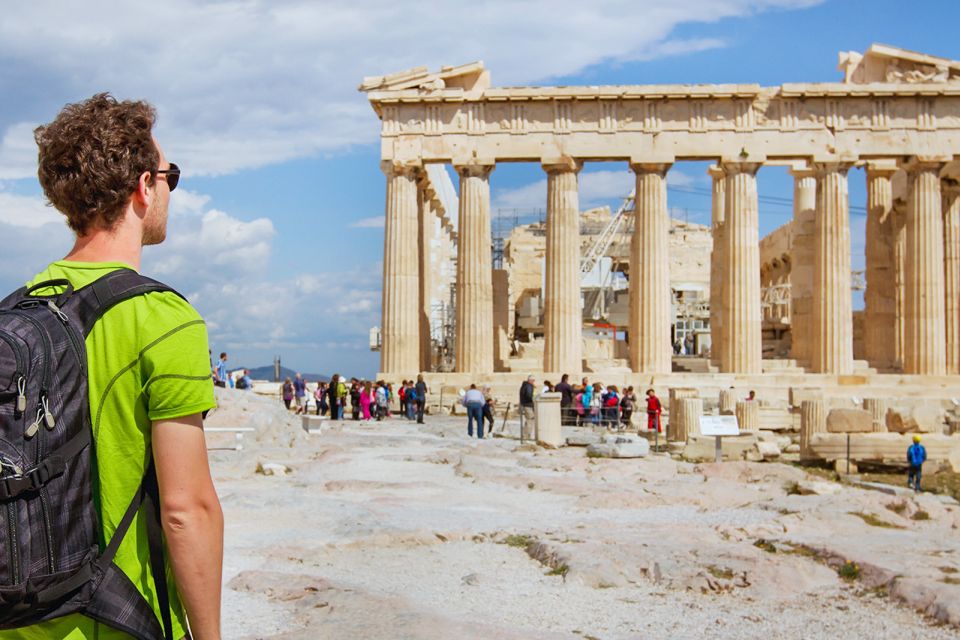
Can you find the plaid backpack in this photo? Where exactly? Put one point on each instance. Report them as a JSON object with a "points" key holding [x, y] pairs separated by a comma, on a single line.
{"points": [[51, 563]]}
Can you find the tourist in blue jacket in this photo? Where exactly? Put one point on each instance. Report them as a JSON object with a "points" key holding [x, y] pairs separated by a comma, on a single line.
{"points": [[916, 456]]}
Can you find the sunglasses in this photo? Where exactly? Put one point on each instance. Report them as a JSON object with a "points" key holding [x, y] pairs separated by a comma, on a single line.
{"points": [[173, 175]]}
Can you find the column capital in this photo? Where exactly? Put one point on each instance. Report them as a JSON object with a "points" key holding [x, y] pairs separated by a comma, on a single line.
{"points": [[950, 187], [822, 168], [913, 164], [733, 168], [881, 168], [561, 164], [397, 168], [800, 170], [475, 169], [715, 171], [659, 168]]}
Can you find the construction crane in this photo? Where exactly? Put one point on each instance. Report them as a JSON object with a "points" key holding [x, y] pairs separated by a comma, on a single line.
{"points": [[600, 246]]}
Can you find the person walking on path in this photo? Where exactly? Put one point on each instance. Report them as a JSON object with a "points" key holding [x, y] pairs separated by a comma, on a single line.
{"points": [[566, 399], [654, 409], [220, 374], [382, 399], [334, 396], [286, 392], [410, 397], [355, 390], [488, 409], [366, 399], [528, 419], [320, 397], [421, 398], [916, 456], [299, 393], [101, 167], [627, 405], [473, 400]]}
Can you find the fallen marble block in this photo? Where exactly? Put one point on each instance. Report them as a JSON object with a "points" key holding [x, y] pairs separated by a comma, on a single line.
{"points": [[627, 449]]}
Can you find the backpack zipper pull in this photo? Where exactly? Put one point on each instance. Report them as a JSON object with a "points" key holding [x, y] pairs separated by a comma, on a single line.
{"points": [[47, 416], [33, 428], [21, 396], [60, 314]]}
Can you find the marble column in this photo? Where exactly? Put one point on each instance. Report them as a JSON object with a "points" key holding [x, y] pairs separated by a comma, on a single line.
{"points": [[880, 296], [427, 218], [832, 331], [813, 420], [563, 318], [899, 288], [650, 296], [924, 348], [742, 350], [400, 327], [801, 266], [951, 273], [717, 278], [474, 293]]}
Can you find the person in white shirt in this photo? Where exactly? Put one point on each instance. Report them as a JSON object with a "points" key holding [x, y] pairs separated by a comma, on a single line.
{"points": [[473, 400]]}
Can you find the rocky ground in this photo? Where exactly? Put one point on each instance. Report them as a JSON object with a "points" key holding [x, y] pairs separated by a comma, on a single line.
{"points": [[394, 530]]}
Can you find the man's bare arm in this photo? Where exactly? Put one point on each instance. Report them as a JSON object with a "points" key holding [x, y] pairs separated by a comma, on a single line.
{"points": [[192, 520]]}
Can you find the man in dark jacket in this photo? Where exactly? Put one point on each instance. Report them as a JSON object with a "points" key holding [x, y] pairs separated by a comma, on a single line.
{"points": [[527, 417], [566, 399]]}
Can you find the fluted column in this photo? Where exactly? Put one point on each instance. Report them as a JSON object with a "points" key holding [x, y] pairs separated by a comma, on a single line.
{"points": [[880, 295], [748, 415], [742, 350], [474, 299], [400, 327], [813, 420], [899, 275], [832, 350], [650, 272], [562, 319], [427, 217], [717, 278], [951, 273], [924, 349], [801, 265]]}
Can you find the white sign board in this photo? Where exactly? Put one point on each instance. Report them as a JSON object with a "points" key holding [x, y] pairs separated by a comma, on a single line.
{"points": [[719, 426]]}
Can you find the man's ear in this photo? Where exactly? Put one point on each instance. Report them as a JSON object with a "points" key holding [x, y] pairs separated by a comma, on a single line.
{"points": [[143, 194]]}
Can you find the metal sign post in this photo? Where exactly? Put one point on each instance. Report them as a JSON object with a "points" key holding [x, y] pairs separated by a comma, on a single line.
{"points": [[719, 426]]}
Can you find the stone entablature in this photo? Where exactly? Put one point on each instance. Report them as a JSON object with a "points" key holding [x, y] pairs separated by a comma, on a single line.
{"points": [[672, 122]]}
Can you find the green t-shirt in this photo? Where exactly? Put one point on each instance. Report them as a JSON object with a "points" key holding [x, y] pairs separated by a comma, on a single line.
{"points": [[148, 361]]}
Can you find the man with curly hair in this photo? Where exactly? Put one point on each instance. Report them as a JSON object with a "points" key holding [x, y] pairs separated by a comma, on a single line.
{"points": [[148, 370]]}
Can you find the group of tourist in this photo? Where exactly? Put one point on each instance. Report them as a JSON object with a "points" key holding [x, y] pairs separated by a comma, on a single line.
{"points": [[584, 404], [595, 404], [239, 379], [361, 399]]}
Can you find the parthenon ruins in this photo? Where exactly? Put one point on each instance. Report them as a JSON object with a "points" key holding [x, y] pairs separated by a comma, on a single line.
{"points": [[894, 112]]}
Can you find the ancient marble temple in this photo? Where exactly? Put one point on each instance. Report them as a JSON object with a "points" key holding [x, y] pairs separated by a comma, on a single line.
{"points": [[894, 112]]}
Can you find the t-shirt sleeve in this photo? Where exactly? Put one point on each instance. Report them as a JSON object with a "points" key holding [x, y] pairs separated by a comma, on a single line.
{"points": [[176, 370]]}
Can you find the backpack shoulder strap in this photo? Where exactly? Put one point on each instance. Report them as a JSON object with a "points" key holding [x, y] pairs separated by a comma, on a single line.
{"points": [[89, 303]]}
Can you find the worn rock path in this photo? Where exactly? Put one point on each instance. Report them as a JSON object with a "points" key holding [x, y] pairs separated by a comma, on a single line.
{"points": [[398, 530]]}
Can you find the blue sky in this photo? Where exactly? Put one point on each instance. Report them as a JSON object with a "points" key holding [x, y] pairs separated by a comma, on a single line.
{"points": [[257, 102]]}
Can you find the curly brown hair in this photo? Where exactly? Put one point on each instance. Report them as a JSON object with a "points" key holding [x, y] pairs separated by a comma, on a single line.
{"points": [[91, 158]]}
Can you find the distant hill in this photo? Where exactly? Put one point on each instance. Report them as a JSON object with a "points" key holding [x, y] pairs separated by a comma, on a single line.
{"points": [[266, 373]]}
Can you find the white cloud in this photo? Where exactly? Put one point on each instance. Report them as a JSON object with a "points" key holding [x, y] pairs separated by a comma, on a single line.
{"points": [[375, 222], [211, 243], [26, 211], [18, 152], [248, 83]]}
